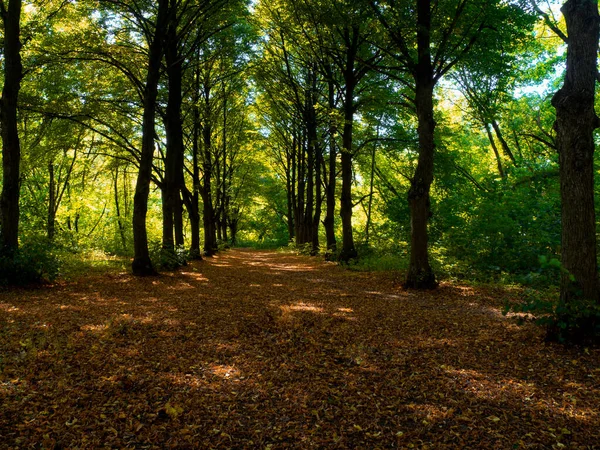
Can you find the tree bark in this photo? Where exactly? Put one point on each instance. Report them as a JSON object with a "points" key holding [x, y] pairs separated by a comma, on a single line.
{"points": [[507, 151], [210, 231], [118, 210], [289, 184], [495, 149], [318, 201], [11, 147], [575, 123], [420, 274], [191, 199], [314, 201], [141, 262], [371, 186], [172, 218], [348, 250], [178, 222], [329, 221], [51, 225]]}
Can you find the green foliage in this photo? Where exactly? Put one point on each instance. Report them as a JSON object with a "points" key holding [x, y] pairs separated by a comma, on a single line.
{"points": [[34, 262], [575, 321], [166, 259], [85, 262], [372, 259]]}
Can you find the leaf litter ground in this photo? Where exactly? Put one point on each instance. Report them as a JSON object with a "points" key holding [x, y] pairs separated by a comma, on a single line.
{"points": [[258, 349]]}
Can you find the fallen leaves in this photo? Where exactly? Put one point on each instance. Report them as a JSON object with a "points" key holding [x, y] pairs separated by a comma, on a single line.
{"points": [[268, 350]]}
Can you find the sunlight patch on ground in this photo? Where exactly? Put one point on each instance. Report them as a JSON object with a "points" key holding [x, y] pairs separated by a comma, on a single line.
{"points": [[465, 291], [491, 311], [282, 267], [224, 371], [66, 307], [181, 286], [172, 322], [95, 328], [7, 387], [431, 413], [345, 313], [287, 311], [303, 307], [389, 296], [490, 387], [9, 308]]}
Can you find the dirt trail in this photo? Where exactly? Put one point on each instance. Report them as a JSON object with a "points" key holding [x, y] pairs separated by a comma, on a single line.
{"points": [[258, 349]]}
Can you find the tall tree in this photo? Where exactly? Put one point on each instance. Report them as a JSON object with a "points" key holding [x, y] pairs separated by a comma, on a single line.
{"points": [[576, 121], [142, 265], [444, 33], [11, 148]]}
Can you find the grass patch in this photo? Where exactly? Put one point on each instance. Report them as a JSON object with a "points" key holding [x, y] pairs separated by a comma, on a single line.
{"points": [[91, 262]]}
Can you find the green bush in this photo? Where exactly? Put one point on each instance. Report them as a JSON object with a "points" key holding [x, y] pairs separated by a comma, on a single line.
{"points": [[34, 262], [393, 258], [576, 321], [166, 259]]}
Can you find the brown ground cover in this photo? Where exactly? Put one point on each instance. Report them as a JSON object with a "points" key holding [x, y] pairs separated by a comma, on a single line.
{"points": [[257, 349]]}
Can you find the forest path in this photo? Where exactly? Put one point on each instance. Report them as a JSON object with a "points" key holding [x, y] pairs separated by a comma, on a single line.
{"points": [[252, 349]]}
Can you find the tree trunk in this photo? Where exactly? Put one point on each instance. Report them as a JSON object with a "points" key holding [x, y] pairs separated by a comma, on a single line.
{"points": [[11, 147], [495, 149], [301, 194], [141, 262], [310, 178], [224, 184], [575, 123], [318, 202], [178, 222], [420, 274], [210, 232], [290, 204], [218, 203], [503, 142], [191, 199], [371, 185], [294, 171], [348, 250], [172, 218], [350, 79], [329, 221], [118, 211], [51, 225]]}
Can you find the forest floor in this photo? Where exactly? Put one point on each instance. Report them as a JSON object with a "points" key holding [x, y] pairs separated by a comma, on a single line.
{"points": [[259, 349]]}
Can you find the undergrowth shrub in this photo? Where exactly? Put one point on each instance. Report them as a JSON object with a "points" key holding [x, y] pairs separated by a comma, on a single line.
{"points": [[264, 244], [576, 321], [34, 262], [166, 259], [88, 261], [374, 259]]}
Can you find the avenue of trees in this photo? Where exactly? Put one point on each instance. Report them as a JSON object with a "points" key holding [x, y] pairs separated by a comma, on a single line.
{"points": [[440, 137]]}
